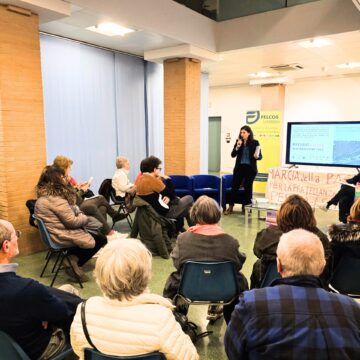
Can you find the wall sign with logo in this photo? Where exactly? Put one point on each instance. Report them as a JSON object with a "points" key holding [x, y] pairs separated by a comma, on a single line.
{"points": [[266, 126]]}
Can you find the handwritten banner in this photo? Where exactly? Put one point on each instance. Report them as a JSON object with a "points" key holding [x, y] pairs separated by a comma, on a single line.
{"points": [[315, 187]]}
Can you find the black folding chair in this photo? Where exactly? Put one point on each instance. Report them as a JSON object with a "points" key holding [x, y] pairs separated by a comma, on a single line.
{"points": [[61, 252]]}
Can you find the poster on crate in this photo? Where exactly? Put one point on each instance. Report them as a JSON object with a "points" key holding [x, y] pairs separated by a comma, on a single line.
{"points": [[266, 126]]}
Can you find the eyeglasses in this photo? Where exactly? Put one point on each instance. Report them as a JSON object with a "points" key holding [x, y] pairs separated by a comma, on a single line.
{"points": [[159, 168]]}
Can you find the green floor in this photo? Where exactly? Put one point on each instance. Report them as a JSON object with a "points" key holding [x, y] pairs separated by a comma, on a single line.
{"points": [[211, 347]]}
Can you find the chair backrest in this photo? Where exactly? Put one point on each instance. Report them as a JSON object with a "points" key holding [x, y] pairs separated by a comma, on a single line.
{"points": [[182, 182], [344, 278], [227, 181], [271, 274], [92, 354], [105, 189], [10, 349], [45, 236], [206, 181], [209, 281]]}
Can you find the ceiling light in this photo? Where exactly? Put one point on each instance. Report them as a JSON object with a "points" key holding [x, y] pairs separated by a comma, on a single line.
{"points": [[315, 43], [110, 29], [260, 74], [349, 65]]}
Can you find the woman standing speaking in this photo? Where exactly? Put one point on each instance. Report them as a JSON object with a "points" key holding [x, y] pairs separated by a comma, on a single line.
{"points": [[247, 152]]}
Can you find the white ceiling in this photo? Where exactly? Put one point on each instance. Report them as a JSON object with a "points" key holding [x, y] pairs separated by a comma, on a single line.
{"points": [[317, 62], [165, 23]]}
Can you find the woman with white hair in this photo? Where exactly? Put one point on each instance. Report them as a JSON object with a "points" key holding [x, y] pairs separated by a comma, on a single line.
{"points": [[120, 181], [128, 319], [206, 241]]}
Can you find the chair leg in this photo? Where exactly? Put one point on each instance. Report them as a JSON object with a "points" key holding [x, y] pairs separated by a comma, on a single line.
{"points": [[48, 257], [129, 220], [128, 217], [48, 254], [118, 211], [57, 268], [56, 261]]}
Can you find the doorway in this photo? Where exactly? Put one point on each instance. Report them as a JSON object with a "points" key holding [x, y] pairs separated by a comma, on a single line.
{"points": [[214, 152]]}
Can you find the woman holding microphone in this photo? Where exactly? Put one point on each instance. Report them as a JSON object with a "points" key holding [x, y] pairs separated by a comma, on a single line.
{"points": [[247, 152]]}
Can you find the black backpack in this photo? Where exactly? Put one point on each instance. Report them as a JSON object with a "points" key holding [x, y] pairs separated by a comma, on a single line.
{"points": [[30, 204]]}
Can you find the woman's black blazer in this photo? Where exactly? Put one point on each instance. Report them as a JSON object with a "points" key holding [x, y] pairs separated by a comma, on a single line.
{"points": [[238, 153]]}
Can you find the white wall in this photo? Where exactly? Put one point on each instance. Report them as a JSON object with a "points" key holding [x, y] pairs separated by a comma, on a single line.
{"points": [[306, 100], [231, 103]]}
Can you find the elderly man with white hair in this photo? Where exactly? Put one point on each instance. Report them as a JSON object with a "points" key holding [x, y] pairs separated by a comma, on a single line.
{"points": [[37, 317], [295, 318], [128, 319]]}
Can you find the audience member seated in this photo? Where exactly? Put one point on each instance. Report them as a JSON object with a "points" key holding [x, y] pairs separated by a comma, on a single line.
{"points": [[37, 317], [56, 206], [206, 241], [128, 319], [294, 213], [295, 318], [95, 206], [159, 192], [345, 238], [344, 197], [120, 181]]}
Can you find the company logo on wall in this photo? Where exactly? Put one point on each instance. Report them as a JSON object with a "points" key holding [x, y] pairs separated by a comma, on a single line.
{"points": [[252, 116]]}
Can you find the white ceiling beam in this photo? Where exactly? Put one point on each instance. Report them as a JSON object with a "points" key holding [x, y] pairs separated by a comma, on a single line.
{"points": [[318, 18]]}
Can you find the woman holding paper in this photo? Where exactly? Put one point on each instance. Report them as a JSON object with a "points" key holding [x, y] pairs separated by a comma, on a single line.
{"points": [[247, 152], [96, 206]]}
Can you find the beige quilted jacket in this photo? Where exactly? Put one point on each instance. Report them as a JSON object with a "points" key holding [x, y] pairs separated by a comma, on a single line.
{"points": [[142, 325], [64, 226]]}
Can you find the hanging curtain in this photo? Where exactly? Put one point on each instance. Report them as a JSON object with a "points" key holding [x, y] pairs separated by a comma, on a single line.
{"points": [[130, 110], [154, 82], [79, 107]]}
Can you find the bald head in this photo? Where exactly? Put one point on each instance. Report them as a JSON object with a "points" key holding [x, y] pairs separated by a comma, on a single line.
{"points": [[300, 252], [5, 231], [8, 242]]}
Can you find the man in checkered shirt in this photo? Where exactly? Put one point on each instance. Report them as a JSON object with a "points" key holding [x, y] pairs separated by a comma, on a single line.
{"points": [[295, 318]]}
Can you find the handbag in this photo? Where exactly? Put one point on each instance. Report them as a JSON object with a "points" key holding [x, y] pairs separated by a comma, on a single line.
{"points": [[83, 323], [93, 225], [128, 200], [188, 327]]}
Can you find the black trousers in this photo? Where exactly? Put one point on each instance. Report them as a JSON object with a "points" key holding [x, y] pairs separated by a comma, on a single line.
{"points": [[98, 207], [345, 198], [243, 174], [86, 254]]}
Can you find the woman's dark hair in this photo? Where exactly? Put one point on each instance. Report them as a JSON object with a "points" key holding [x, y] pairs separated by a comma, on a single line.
{"points": [[205, 211], [247, 129], [51, 182], [294, 213], [149, 164]]}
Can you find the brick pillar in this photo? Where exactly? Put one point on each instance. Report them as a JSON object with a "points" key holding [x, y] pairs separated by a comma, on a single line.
{"points": [[182, 116], [22, 133]]}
